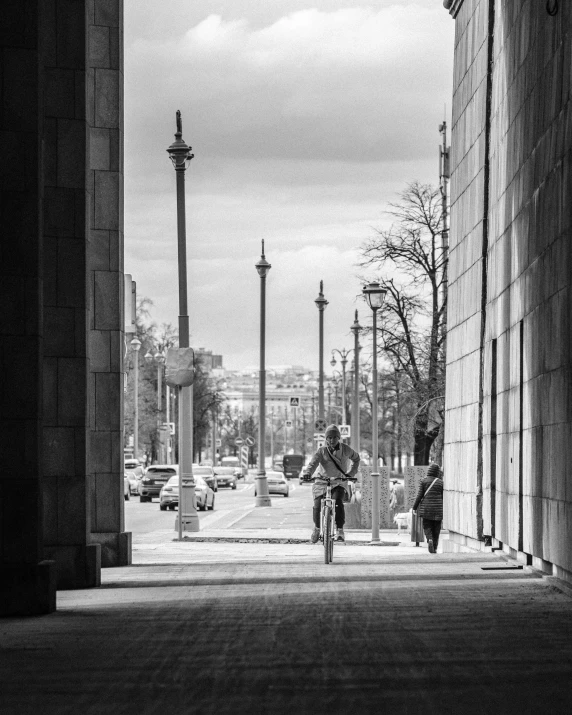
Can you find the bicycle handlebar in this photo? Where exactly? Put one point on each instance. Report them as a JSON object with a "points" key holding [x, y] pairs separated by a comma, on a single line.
{"points": [[327, 479]]}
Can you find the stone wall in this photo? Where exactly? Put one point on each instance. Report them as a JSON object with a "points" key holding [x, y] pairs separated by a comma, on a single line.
{"points": [[526, 352], [466, 270], [61, 298]]}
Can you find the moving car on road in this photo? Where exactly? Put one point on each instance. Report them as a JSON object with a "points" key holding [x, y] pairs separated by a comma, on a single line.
{"points": [[133, 481], [293, 464], [277, 484], [226, 477], [208, 474], [155, 479], [169, 496], [126, 487]]}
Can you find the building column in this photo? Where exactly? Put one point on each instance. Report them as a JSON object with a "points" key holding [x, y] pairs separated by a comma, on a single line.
{"points": [[106, 283], [27, 581]]}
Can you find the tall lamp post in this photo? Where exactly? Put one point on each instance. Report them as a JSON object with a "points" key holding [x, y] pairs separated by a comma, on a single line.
{"points": [[343, 353], [355, 439], [374, 295], [136, 346], [321, 304], [180, 155], [158, 359], [262, 496]]}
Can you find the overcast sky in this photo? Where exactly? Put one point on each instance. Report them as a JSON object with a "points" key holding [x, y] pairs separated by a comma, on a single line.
{"points": [[306, 119]]}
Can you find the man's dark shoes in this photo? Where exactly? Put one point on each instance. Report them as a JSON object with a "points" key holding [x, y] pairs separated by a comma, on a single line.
{"points": [[431, 547]]}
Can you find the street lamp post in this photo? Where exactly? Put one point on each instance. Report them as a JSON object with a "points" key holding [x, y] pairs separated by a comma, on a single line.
{"points": [[355, 440], [343, 353], [375, 295], [136, 346], [262, 495], [321, 304], [180, 155], [159, 360]]}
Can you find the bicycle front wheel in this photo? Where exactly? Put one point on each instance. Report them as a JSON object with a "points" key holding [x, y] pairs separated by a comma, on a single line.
{"points": [[327, 534]]}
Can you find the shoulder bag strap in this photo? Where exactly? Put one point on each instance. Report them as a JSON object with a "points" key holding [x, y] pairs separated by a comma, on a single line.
{"points": [[427, 492], [335, 461]]}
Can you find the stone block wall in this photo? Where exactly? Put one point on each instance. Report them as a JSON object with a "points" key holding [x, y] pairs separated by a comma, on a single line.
{"points": [[525, 378], [61, 298], [466, 269], [105, 280]]}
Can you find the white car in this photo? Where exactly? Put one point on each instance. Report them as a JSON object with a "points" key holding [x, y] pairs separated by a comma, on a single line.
{"points": [[169, 496], [277, 484], [126, 489], [134, 480]]}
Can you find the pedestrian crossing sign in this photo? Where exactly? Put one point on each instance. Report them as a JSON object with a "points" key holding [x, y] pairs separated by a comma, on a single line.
{"points": [[294, 402], [345, 431]]}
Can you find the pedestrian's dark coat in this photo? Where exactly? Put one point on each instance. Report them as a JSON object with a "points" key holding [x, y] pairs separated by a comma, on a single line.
{"points": [[432, 504]]}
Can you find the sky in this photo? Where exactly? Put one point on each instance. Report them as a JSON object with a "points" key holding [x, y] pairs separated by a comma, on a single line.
{"points": [[306, 119]]}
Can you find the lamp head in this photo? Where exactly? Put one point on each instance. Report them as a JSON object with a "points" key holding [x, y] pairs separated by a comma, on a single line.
{"points": [[263, 266], [135, 345], [179, 151], [356, 327], [374, 294], [148, 357], [320, 301], [333, 360]]}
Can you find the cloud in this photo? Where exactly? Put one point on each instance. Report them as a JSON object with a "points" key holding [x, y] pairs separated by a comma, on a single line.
{"points": [[304, 124], [345, 84]]}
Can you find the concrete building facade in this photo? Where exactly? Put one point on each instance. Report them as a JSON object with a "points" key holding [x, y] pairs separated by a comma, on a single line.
{"points": [[508, 436], [61, 299]]}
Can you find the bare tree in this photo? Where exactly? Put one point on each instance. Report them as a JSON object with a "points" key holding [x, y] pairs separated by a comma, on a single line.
{"points": [[412, 265]]}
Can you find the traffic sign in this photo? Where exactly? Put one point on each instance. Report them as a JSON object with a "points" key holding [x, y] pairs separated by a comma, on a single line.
{"points": [[249, 441], [294, 402], [238, 441], [320, 441], [170, 426], [244, 458], [219, 443], [345, 431], [288, 423], [320, 425]]}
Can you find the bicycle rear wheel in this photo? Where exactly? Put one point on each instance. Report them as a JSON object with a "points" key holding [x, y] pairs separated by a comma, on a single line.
{"points": [[326, 532]]}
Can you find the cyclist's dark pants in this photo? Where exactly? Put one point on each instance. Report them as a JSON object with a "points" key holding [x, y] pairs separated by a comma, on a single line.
{"points": [[338, 495]]}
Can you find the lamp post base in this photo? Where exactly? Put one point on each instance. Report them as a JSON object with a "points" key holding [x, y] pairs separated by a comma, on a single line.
{"points": [[262, 497], [190, 522]]}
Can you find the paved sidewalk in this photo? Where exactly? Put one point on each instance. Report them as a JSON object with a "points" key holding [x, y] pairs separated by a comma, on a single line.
{"points": [[259, 628]]}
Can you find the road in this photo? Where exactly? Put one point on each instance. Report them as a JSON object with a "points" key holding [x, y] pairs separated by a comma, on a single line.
{"points": [[233, 508]]}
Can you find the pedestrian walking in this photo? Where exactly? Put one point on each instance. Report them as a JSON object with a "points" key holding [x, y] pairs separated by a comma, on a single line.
{"points": [[429, 505]]}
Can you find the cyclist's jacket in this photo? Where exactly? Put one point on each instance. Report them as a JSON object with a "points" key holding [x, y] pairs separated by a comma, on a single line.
{"points": [[325, 462]]}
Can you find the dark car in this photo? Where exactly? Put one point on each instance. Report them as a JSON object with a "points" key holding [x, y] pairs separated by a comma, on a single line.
{"points": [[293, 464], [208, 474], [155, 479], [226, 476]]}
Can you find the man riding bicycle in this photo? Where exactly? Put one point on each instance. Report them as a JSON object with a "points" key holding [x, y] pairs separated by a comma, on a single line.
{"points": [[333, 461]]}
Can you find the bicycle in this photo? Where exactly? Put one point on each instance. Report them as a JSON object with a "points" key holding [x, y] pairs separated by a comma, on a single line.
{"points": [[328, 519]]}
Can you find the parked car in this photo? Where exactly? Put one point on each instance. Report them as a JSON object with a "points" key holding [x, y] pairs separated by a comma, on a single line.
{"points": [[208, 474], [277, 484], [133, 482], [155, 479], [126, 487], [226, 477], [169, 496]]}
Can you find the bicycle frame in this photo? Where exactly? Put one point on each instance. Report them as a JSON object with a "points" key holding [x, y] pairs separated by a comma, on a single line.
{"points": [[327, 524]]}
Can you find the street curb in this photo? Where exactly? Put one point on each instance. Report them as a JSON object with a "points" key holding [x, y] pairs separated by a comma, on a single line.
{"points": [[261, 540]]}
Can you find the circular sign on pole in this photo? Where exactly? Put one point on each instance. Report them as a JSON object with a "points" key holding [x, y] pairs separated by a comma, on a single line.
{"points": [[320, 425], [249, 441], [238, 441]]}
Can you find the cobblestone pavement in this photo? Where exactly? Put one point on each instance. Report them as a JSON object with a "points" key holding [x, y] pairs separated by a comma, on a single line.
{"points": [[219, 627]]}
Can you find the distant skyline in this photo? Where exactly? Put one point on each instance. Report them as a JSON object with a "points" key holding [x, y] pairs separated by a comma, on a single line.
{"points": [[305, 121]]}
